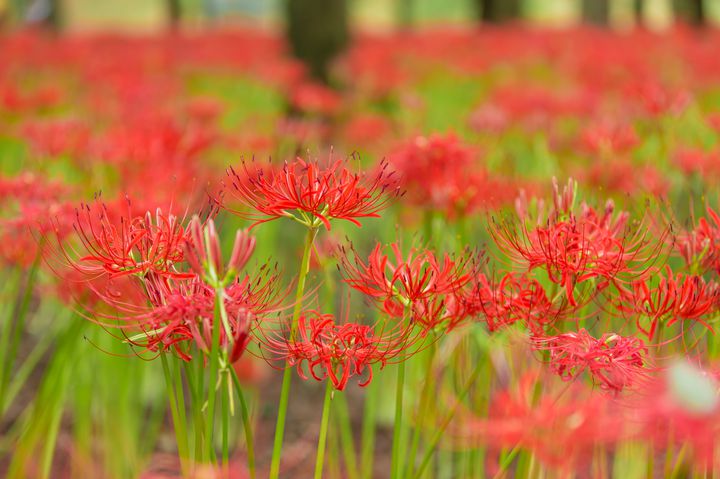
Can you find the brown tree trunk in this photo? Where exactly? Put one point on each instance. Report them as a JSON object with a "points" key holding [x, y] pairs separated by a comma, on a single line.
{"points": [[691, 12], [174, 13], [638, 13], [497, 11], [317, 31], [596, 12]]}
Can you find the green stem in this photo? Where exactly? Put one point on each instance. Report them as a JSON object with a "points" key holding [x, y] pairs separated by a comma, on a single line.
{"points": [[180, 431], [397, 430], [246, 424], [508, 459], [285, 391], [225, 408], [196, 388], [424, 404], [446, 422], [212, 380], [13, 329], [322, 438], [348, 444], [367, 448]]}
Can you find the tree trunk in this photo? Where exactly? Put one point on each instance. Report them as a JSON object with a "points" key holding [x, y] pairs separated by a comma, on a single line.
{"points": [[596, 12], [405, 9], [174, 13], [691, 12], [317, 31], [55, 19], [639, 13], [497, 11]]}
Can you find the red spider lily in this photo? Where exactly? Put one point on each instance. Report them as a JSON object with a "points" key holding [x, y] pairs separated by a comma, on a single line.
{"points": [[180, 314], [31, 208], [202, 251], [335, 351], [440, 173], [619, 175], [676, 298], [87, 294], [658, 99], [563, 204], [697, 161], [366, 129], [444, 312], [608, 138], [315, 98], [402, 280], [318, 193], [613, 361], [579, 248], [20, 235], [713, 120], [679, 408], [204, 110], [131, 245], [700, 247], [516, 297], [560, 430], [489, 118], [30, 187], [58, 137]]}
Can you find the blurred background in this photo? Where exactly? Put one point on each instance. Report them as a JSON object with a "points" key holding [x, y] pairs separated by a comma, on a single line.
{"points": [[136, 15], [318, 30]]}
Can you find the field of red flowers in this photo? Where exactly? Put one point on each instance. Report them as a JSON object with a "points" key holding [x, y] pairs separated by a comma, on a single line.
{"points": [[490, 253]]}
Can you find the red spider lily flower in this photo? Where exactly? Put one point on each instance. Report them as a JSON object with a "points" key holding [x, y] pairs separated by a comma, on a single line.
{"points": [[489, 118], [30, 187], [619, 175], [315, 98], [335, 351], [366, 129], [698, 161], [576, 248], [561, 430], [607, 138], [613, 361], [202, 251], [445, 312], [700, 247], [681, 297], [515, 298], [58, 137], [31, 208], [131, 245], [713, 120], [680, 408], [401, 280], [440, 173], [204, 110], [181, 314], [21, 235], [318, 193], [562, 208], [658, 99]]}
